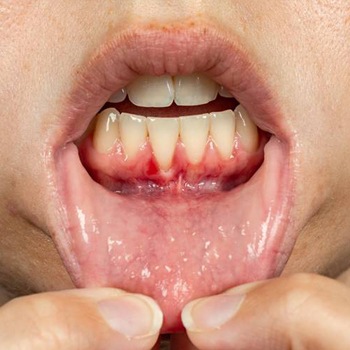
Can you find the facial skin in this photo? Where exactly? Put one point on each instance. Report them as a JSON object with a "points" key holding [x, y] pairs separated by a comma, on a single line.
{"points": [[302, 48]]}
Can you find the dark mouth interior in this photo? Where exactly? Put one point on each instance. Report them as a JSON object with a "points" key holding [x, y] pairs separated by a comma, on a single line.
{"points": [[218, 105], [164, 342]]}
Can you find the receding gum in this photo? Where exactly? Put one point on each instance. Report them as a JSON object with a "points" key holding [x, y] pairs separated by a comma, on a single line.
{"points": [[143, 167]]}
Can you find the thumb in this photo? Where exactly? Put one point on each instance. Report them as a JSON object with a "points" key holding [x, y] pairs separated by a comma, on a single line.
{"points": [[297, 312], [80, 319]]}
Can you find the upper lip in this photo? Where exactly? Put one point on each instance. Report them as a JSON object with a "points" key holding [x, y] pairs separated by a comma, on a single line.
{"points": [[174, 51]]}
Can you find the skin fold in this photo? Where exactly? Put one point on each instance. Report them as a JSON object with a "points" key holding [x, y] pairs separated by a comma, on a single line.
{"points": [[303, 48]]}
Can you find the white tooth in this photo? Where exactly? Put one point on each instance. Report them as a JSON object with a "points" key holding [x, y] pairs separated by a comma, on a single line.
{"points": [[194, 89], [224, 93], [106, 130], [133, 133], [246, 130], [151, 91], [222, 130], [194, 131], [119, 96], [163, 135]]}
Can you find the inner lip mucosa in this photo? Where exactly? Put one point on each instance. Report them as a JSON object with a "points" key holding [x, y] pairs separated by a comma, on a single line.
{"points": [[173, 202]]}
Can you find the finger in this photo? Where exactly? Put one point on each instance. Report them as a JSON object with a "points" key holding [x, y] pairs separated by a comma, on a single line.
{"points": [[297, 312], [80, 319]]}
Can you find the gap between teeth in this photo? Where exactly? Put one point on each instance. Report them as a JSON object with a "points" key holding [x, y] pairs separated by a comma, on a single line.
{"points": [[163, 134], [162, 91]]}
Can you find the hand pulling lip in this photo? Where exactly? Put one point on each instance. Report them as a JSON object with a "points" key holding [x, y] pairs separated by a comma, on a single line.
{"points": [[174, 50]]}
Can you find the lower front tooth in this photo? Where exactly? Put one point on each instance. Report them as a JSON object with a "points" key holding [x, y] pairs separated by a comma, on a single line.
{"points": [[246, 130], [106, 130], [194, 131], [163, 135], [222, 130], [133, 133]]}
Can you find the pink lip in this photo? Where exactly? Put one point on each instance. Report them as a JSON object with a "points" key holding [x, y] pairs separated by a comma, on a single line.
{"points": [[174, 249]]}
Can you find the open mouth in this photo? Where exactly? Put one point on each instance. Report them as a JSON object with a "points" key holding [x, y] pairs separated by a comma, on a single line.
{"points": [[173, 174], [163, 151]]}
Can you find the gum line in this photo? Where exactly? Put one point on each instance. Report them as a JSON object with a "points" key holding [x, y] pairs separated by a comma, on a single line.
{"points": [[142, 174]]}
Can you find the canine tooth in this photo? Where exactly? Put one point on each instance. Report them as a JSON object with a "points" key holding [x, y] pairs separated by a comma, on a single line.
{"points": [[194, 89], [223, 92], [119, 96], [222, 130], [194, 131], [106, 130], [163, 134], [133, 133], [151, 91], [246, 129]]}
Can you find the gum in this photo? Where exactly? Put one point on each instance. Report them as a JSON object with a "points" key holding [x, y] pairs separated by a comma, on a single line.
{"points": [[119, 174]]}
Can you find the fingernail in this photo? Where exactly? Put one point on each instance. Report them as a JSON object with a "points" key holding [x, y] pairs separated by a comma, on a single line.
{"points": [[212, 312], [134, 316]]}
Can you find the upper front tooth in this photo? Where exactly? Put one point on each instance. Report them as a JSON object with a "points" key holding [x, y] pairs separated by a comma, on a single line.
{"points": [[194, 131], [133, 133], [223, 92], [246, 129], [106, 130], [222, 130], [163, 135], [194, 89], [119, 96], [151, 91]]}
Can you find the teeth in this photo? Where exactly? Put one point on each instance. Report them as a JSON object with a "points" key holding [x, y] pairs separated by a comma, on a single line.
{"points": [[222, 130], [150, 91], [133, 133], [162, 91], [194, 131], [195, 89], [224, 93], [246, 130], [163, 135], [119, 96], [106, 130]]}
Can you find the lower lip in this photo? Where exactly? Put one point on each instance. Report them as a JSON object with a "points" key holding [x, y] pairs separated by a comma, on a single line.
{"points": [[174, 249]]}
